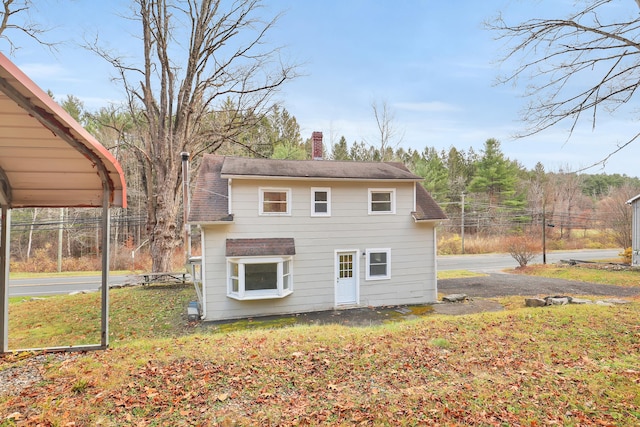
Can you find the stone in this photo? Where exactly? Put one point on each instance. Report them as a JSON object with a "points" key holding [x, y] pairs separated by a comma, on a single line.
{"points": [[534, 302], [616, 301], [455, 298], [605, 304], [557, 300], [580, 301]]}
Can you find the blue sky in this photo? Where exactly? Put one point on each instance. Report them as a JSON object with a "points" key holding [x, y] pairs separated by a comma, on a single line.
{"points": [[432, 62]]}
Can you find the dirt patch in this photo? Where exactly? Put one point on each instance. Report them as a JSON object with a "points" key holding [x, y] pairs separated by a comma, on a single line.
{"points": [[498, 284], [470, 306]]}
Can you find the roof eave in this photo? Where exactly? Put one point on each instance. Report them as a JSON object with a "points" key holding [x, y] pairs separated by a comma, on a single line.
{"points": [[312, 178], [630, 201], [416, 219]]}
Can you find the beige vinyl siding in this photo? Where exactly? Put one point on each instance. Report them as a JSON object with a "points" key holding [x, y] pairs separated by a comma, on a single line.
{"points": [[635, 236], [316, 240]]}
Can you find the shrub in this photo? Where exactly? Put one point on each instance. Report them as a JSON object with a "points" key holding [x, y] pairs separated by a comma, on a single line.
{"points": [[522, 248], [627, 255], [450, 245]]}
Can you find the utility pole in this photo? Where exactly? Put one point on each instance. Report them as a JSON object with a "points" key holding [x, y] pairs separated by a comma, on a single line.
{"points": [[544, 235], [462, 224]]}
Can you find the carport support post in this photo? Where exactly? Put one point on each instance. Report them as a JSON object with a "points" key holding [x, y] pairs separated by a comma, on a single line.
{"points": [[4, 277], [106, 234]]}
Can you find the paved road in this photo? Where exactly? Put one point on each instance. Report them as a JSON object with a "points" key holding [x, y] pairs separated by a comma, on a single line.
{"points": [[493, 263], [60, 285]]}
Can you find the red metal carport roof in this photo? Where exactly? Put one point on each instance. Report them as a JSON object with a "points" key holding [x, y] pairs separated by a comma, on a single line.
{"points": [[46, 158]]}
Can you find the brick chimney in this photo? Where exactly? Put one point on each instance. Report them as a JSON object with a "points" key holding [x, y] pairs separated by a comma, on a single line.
{"points": [[316, 147]]}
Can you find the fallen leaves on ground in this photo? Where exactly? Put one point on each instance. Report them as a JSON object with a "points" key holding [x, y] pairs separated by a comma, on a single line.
{"points": [[571, 366]]}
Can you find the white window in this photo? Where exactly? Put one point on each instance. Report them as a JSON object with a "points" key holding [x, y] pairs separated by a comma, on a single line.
{"points": [[259, 278], [275, 201], [320, 201], [378, 264], [382, 201]]}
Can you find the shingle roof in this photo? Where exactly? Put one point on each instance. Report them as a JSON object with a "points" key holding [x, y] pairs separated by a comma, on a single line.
{"points": [[260, 247], [239, 167], [210, 201], [426, 208]]}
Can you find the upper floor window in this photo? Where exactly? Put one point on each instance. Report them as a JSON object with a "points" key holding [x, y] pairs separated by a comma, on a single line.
{"points": [[275, 201], [320, 202], [382, 201]]}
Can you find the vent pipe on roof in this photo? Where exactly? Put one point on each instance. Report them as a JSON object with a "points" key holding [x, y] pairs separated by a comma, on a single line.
{"points": [[316, 147], [185, 204]]}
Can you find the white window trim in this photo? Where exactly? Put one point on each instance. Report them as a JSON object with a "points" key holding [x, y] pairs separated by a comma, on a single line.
{"points": [[368, 275], [313, 201], [244, 295], [392, 191], [261, 192]]}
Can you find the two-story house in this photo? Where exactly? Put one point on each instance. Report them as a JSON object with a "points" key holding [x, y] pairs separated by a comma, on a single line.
{"points": [[287, 236]]}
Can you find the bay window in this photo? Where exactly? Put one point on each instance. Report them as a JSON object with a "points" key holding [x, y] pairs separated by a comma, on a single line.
{"points": [[259, 277]]}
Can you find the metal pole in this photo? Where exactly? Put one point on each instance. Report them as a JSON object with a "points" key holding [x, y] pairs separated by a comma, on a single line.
{"points": [[185, 205], [4, 278], [106, 234], [60, 235], [462, 224]]}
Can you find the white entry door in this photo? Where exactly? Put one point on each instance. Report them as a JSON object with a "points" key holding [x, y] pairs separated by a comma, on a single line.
{"points": [[347, 278]]}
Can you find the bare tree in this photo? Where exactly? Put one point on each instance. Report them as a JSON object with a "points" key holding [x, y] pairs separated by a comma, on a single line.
{"points": [[616, 215], [389, 135], [206, 73], [15, 16], [596, 44]]}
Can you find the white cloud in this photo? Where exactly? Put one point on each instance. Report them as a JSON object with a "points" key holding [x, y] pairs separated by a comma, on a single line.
{"points": [[41, 71]]}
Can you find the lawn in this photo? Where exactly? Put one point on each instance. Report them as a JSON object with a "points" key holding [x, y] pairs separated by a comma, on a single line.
{"points": [[572, 365], [585, 273]]}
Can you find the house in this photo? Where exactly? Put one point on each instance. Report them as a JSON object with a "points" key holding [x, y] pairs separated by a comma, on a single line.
{"points": [[635, 230], [291, 236]]}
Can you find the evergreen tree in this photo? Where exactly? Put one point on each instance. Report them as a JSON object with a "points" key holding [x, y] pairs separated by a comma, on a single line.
{"points": [[340, 150], [436, 176], [495, 175]]}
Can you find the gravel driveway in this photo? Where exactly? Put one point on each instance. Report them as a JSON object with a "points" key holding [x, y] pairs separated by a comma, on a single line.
{"points": [[500, 284]]}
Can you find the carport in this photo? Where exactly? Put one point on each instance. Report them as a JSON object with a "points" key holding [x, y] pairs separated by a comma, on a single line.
{"points": [[48, 160]]}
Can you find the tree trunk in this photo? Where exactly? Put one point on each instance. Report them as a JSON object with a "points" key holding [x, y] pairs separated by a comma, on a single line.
{"points": [[163, 190], [35, 215], [163, 234]]}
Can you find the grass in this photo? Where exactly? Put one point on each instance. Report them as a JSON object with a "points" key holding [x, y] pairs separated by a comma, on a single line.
{"points": [[582, 274], [571, 365], [152, 311], [456, 274]]}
